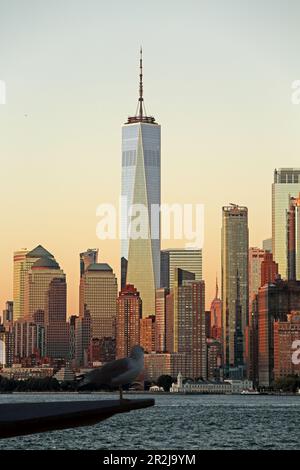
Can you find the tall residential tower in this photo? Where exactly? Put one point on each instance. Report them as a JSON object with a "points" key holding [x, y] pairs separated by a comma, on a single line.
{"points": [[234, 281]]}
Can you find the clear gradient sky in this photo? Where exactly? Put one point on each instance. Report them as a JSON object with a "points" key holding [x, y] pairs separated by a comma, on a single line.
{"points": [[217, 77]]}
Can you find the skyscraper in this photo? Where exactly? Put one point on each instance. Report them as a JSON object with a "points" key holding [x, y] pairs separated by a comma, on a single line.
{"points": [[73, 324], [23, 260], [274, 302], [170, 322], [29, 340], [234, 279], [147, 333], [285, 333], [191, 337], [86, 258], [8, 315], [6, 347], [171, 259], [98, 294], [129, 313], [216, 317], [160, 319], [286, 184], [256, 257], [269, 269], [262, 270], [293, 238], [37, 283], [141, 199], [56, 327], [188, 317]]}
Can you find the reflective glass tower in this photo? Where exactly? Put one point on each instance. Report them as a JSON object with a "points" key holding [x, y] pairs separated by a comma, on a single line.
{"points": [[140, 248], [286, 184]]}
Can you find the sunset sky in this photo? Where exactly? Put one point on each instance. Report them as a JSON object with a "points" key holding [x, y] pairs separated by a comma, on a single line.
{"points": [[217, 77]]}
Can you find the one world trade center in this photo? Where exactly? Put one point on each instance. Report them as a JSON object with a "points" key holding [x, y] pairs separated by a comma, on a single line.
{"points": [[141, 198]]}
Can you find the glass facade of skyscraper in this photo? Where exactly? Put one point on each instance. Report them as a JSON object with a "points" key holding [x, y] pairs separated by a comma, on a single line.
{"points": [[286, 184], [141, 188], [172, 259]]}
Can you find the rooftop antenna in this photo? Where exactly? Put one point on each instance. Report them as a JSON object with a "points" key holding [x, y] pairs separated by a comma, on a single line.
{"points": [[141, 114], [141, 99]]}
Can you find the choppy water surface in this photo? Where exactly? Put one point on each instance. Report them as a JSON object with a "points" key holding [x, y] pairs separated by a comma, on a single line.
{"points": [[177, 422]]}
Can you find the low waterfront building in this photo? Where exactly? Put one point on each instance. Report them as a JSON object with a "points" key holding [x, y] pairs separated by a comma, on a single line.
{"points": [[238, 386], [17, 372], [211, 386], [202, 386]]}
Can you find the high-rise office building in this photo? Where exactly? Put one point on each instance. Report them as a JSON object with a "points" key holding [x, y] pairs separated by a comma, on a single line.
{"points": [[214, 359], [6, 347], [140, 247], [37, 283], [191, 337], [256, 257], [29, 340], [129, 314], [274, 302], [8, 315], [216, 317], [82, 339], [88, 257], [72, 337], [160, 319], [188, 316], [98, 294], [234, 281], [286, 184], [285, 333], [170, 322], [45, 302], [263, 271], [56, 326], [293, 238], [269, 269], [23, 260], [147, 333], [172, 259]]}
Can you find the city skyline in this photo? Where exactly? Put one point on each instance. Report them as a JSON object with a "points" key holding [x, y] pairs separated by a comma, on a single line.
{"points": [[54, 148], [150, 236]]}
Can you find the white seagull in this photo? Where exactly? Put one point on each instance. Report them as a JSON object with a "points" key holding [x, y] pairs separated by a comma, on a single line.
{"points": [[116, 373]]}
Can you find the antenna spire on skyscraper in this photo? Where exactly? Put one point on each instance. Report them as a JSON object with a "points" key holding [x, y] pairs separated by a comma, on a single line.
{"points": [[141, 115], [141, 99]]}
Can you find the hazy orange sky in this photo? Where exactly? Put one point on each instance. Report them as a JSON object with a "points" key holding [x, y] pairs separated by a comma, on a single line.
{"points": [[217, 77]]}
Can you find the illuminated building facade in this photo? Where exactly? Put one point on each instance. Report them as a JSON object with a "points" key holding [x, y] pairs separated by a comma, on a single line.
{"points": [[129, 313]]}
